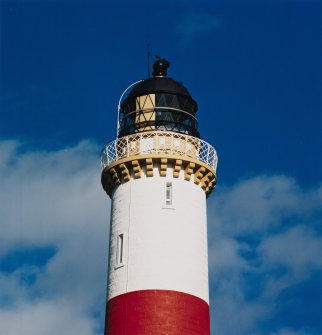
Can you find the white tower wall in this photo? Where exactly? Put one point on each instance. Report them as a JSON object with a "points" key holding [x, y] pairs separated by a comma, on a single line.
{"points": [[163, 246]]}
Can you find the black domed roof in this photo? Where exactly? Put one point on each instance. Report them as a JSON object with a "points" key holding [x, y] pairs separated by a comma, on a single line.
{"points": [[159, 85]]}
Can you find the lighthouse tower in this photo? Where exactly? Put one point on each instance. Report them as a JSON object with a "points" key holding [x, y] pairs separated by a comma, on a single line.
{"points": [[158, 173]]}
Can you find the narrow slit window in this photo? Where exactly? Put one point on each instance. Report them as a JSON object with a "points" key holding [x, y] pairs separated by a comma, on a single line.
{"points": [[168, 195], [119, 249]]}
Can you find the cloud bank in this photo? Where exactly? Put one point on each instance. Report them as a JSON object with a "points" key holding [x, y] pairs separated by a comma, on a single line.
{"points": [[265, 239], [264, 242], [53, 200]]}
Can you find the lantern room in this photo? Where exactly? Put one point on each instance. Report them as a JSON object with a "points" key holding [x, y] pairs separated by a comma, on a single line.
{"points": [[158, 103]]}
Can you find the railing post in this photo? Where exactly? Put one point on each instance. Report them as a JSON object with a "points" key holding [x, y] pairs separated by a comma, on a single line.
{"points": [[172, 143], [208, 149], [115, 150], [127, 146]]}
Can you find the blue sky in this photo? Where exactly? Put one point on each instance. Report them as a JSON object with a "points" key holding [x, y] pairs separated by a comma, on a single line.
{"points": [[255, 69]]}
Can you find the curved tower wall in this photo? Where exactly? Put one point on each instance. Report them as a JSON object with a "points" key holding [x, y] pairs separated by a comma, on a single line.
{"points": [[164, 245]]}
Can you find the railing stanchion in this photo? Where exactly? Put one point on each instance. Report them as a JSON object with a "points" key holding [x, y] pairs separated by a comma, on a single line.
{"points": [[172, 143], [208, 149], [127, 146]]}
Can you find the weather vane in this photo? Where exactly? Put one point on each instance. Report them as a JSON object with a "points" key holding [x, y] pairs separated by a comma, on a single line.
{"points": [[151, 57]]}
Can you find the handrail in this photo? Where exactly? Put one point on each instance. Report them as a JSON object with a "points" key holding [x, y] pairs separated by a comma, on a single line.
{"points": [[159, 142], [119, 105], [151, 109]]}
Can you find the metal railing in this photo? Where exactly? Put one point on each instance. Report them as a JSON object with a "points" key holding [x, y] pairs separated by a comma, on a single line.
{"points": [[159, 142]]}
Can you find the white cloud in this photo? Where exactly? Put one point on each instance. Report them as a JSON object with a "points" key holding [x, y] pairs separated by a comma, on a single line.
{"points": [[196, 24], [288, 331], [53, 199], [230, 248], [262, 203], [50, 318], [298, 248], [42, 194], [262, 241]]}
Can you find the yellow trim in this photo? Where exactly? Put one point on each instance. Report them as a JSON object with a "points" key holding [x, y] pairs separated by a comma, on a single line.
{"points": [[136, 169], [189, 170], [115, 177], [177, 168], [149, 167], [159, 156], [163, 167], [123, 170], [205, 180], [211, 186], [199, 174]]}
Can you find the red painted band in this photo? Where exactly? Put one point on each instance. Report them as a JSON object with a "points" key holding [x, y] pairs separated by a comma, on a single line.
{"points": [[157, 312]]}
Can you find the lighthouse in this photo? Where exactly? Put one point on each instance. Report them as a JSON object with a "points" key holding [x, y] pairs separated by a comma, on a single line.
{"points": [[158, 173]]}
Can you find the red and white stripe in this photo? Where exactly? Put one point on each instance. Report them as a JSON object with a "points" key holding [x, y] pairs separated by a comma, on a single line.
{"points": [[158, 265]]}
